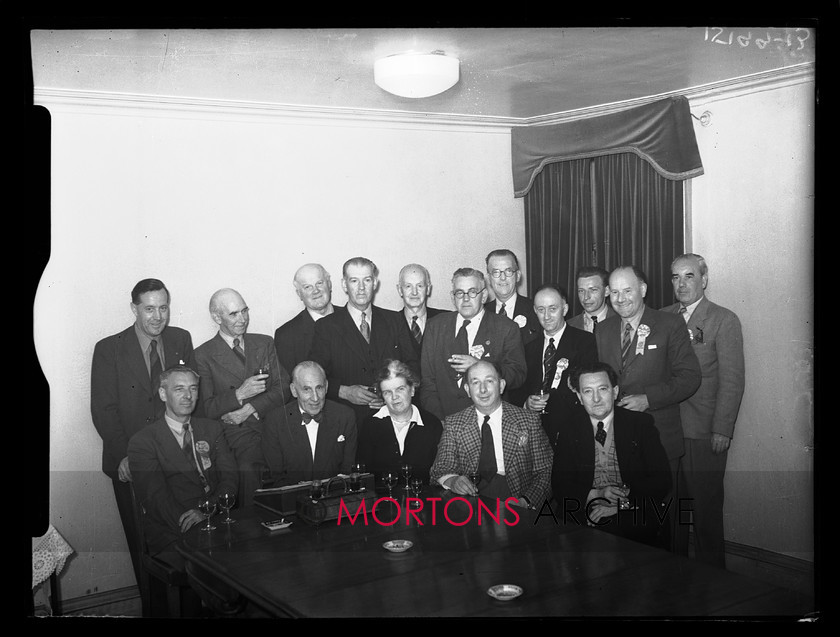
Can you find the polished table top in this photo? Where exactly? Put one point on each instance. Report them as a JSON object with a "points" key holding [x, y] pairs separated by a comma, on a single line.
{"points": [[565, 570]]}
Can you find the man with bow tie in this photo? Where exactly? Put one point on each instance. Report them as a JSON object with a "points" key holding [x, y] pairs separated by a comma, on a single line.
{"points": [[312, 437], [175, 462], [708, 417]]}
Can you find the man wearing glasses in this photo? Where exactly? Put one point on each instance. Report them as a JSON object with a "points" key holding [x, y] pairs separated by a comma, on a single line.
{"points": [[503, 269], [456, 340]]}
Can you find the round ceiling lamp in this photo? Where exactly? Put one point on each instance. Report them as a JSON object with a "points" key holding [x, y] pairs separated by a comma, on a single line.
{"points": [[416, 75]]}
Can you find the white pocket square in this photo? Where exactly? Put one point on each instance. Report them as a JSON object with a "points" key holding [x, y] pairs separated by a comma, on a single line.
{"points": [[651, 346], [340, 438]]}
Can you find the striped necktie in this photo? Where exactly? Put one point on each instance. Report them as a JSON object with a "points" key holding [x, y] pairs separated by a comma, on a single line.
{"points": [[237, 349], [189, 451], [627, 339], [415, 331], [364, 328], [155, 366], [548, 364]]}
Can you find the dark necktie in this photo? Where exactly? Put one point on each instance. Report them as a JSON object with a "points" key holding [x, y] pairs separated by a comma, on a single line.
{"points": [[187, 448], [548, 365], [307, 418], [601, 435], [502, 310], [364, 328], [154, 365], [415, 331], [487, 459], [594, 323], [625, 343], [461, 340], [237, 349]]}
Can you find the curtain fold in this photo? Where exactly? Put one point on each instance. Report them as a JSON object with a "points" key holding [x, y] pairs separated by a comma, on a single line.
{"points": [[660, 132]]}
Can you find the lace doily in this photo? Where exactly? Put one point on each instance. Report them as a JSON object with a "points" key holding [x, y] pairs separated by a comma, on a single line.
{"points": [[49, 553]]}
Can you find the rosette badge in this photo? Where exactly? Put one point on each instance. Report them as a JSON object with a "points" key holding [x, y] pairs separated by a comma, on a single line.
{"points": [[562, 365], [643, 332]]}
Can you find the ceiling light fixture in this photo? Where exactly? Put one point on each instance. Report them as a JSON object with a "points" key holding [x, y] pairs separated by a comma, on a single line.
{"points": [[416, 74]]}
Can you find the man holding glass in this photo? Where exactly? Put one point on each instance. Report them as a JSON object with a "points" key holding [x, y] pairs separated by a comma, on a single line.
{"points": [[454, 341], [619, 488], [241, 380], [551, 359], [176, 462], [505, 275]]}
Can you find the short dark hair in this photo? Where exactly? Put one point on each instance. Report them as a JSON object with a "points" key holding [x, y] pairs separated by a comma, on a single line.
{"points": [[636, 270], [592, 368], [467, 272], [147, 285], [396, 369], [557, 288], [501, 252], [593, 270], [359, 262], [176, 369]]}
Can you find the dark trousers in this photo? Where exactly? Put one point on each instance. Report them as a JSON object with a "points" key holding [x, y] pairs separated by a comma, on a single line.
{"points": [[122, 494], [700, 484]]}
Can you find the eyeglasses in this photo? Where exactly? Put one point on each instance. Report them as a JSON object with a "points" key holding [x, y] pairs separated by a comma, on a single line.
{"points": [[472, 293], [497, 274]]}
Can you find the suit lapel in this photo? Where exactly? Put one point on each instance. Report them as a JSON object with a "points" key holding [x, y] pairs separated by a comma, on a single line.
{"points": [[171, 352], [170, 447], [352, 336], [647, 319], [300, 440], [136, 359], [226, 359], [379, 331], [324, 445], [511, 434]]}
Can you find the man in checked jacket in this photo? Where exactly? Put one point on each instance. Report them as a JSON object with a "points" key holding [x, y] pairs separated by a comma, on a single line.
{"points": [[503, 447]]}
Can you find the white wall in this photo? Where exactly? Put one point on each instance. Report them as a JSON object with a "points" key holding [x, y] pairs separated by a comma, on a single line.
{"points": [[206, 200], [753, 220]]}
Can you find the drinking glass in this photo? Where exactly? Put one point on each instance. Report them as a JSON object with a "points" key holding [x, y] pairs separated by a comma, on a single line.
{"points": [[416, 489], [624, 503], [226, 501], [263, 370], [390, 478], [406, 471], [542, 394], [207, 506], [356, 472]]}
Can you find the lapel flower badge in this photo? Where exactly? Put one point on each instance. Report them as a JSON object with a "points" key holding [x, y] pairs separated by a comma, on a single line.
{"points": [[202, 446], [477, 351], [523, 440], [340, 438], [562, 365], [520, 320], [696, 336], [643, 332]]}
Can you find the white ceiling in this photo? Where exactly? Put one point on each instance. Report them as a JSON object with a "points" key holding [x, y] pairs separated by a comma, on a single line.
{"points": [[517, 74]]}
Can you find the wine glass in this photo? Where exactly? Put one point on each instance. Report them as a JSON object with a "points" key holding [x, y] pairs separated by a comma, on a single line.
{"points": [[416, 488], [390, 478], [226, 501], [207, 506], [543, 396], [624, 503], [263, 369], [406, 471], [356, 472]]}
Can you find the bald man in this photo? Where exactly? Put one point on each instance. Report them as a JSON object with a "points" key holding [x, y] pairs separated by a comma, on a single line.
{"points": [[241, 380], [293, 339]]}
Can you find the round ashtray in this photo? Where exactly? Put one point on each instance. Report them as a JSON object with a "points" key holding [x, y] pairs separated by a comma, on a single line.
{"points": [[505, 592], [398, 546]]}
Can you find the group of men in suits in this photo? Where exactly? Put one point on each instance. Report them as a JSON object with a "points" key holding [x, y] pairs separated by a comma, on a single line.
{"points": [[509, 359]]}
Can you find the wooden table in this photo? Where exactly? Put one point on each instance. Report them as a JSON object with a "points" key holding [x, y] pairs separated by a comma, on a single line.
{"points": [[566, 570]]}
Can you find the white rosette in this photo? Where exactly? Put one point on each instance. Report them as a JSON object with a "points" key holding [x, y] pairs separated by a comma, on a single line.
{"points": [[520, 320], [477, 351], [562, 365], [643, 332], [202, 447]]}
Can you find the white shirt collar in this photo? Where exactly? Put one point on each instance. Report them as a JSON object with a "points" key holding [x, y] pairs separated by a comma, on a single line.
{"points": [[556, 337], [356, 314], [415, 414], [229, 339], [689, 309], [315, 316], [607, 421], [475, 321]]}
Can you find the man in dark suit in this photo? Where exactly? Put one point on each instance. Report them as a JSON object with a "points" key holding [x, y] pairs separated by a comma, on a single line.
{"points": [[593, 290], [293, 339], [241, 381], [414, 288], [708, 417], [503, 445], [504, 276], [652, 353], [619, 488], [123, 389], [353, 342], [176, 462], [312, 437], [456, 340], [551, 359]]}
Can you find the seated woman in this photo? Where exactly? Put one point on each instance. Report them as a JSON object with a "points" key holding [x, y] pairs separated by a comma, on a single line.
{"points": [[399, 433]]}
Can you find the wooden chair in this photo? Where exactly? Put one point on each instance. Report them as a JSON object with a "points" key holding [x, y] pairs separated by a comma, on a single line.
{"points": [[156, 572]]}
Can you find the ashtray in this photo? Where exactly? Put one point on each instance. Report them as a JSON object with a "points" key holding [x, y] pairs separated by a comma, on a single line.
{"points": [[505, 592], [398, 546]]}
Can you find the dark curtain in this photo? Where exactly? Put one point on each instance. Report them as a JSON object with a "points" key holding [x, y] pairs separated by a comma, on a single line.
{"points": [[607, 211]]}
